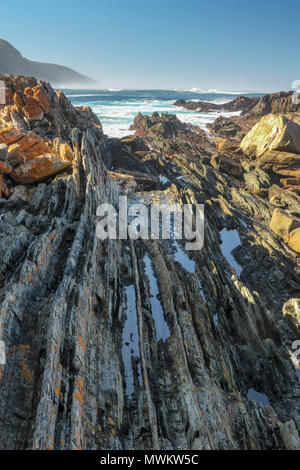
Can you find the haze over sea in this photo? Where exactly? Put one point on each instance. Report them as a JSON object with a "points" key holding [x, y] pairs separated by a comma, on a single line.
{"points": [[116, 109]]}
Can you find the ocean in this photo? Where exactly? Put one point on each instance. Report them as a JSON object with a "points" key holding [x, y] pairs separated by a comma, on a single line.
{"points": [[116, 109]]}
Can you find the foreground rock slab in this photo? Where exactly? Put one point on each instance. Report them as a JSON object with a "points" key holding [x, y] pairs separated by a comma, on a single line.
{"points": [[38, 169], [272, 132]]}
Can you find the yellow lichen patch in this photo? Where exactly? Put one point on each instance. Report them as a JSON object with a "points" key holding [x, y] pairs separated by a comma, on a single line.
{"points": [[66, 152]]}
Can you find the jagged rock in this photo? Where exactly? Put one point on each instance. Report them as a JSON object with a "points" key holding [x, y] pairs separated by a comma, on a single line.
{"points": [[39, 168], [238, 104], [133, 180], [224, 127], [165, 126], [234, 126], [122, 344], [257, 179], [291, 312], [227, 165], [272, 132], [281, 102], [290, 435]]}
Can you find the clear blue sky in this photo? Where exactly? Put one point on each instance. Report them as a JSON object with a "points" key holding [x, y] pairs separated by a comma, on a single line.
{"points": [[229, 45]]}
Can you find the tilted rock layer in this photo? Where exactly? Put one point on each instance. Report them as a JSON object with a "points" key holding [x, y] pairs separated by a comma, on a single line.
{"points": [[140, 344]]}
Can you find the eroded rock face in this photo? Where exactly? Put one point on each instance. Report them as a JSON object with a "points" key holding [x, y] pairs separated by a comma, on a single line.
{"points": [[272, 132], [281, 102], [140, 344]]}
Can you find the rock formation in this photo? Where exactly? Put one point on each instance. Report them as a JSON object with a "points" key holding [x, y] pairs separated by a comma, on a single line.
{"points": [[122, 344], [238, 104], [281, 102]]}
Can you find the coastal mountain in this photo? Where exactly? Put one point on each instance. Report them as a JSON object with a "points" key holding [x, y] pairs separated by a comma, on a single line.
{"points": [[12, 61]]}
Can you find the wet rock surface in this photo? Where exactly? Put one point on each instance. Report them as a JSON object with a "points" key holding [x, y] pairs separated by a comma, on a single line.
{"points": [[140, 344]]}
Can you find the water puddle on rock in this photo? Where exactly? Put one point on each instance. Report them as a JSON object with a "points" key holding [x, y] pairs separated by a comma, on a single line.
{"points": [[230, 240], [182, 258], [163, 179], [161, 326], [130, 341], [201, 290], [258, 397]]}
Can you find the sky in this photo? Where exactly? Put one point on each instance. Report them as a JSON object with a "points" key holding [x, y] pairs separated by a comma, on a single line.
{"points": [[231, 45]]}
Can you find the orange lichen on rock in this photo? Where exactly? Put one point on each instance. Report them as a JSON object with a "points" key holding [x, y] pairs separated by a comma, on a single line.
{"points": [[38, 169], [10, 135], [28, 91], [78, 395], [81, 343], [9, 96], [32, 110], [32, 146], [18, 100], [41, 98], [5, 168]]}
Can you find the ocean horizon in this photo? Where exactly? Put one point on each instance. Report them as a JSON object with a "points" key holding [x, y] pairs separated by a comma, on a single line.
{"points": [[116, 108]]}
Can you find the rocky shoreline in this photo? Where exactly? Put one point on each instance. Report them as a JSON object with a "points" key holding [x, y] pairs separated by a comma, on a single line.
{"points": [[77, 376]]}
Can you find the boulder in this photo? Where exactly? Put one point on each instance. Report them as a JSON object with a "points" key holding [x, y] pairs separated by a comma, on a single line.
{"points": [[224, 127], [283, 223], [280, 163], [287, 164], [272, 132], [293, 240], [10, 135], [38, 169]]}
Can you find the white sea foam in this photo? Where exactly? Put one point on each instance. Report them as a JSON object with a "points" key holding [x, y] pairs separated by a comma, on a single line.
{"points": [[116, 115]]}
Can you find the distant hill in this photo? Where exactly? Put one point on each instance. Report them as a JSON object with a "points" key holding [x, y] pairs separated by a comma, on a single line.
{"points": [[12, 61]]}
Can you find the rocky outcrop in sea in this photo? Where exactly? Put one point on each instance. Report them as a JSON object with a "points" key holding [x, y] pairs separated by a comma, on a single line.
{"points": [[123, 344]]}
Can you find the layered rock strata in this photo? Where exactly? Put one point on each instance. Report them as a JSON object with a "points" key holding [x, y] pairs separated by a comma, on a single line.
{"points": [[122, 344]]}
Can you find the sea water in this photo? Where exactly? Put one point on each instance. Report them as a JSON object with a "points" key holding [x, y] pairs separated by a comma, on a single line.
{"points": [[117, 109]]}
